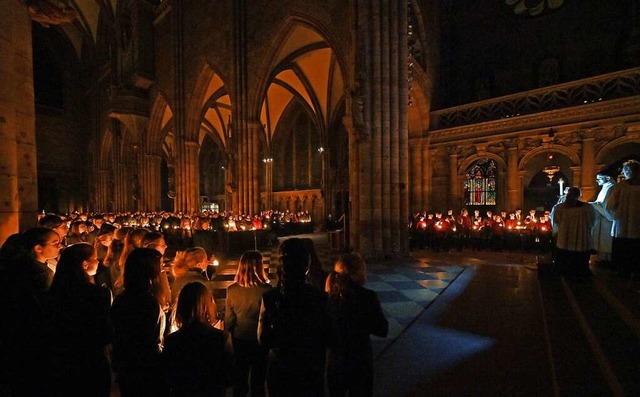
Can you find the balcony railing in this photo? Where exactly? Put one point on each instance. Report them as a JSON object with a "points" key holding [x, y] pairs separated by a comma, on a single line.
{"points": [[604, 87]]}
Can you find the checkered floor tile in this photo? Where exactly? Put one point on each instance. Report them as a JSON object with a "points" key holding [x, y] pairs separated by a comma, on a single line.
{"points": [[404, 290]]}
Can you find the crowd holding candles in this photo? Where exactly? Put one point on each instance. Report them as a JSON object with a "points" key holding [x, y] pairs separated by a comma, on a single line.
{"points": [[481, 229], [91, 302], [92, 296]]}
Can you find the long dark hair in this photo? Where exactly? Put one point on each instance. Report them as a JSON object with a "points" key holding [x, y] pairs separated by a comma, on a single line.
{"points": [[70, 274], [35, 236], [142, 270], [294, 261]]}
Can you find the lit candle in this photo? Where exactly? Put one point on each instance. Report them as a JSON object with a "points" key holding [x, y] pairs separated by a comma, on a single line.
{"points": [[561, 184]]}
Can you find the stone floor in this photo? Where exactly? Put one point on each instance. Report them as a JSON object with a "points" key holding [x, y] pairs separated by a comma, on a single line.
{"points": [[500, 330]]}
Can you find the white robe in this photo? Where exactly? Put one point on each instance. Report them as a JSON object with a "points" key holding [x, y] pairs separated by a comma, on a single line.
{"points": [[602, 240], [574, 226], [623, 202]]}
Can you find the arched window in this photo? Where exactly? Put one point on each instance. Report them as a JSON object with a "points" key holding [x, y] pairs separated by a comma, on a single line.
{"points": [[480, 183]]}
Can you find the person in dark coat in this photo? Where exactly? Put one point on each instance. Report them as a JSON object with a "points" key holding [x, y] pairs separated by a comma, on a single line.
{"points": [[23, 286], [139, 323], [242, 312], [197, 359], [78, 326], [354, 313], [293, 326]]}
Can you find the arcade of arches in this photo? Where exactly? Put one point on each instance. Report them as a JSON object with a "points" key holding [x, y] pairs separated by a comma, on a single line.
{"points": [[372, 108]]}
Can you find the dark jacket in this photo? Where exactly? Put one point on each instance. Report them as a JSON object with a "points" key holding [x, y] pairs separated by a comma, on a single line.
{"points": [[242, 310], [138, 324], [79, 329], [293, 326], [197, 361], [352, 319], [23, 339]]}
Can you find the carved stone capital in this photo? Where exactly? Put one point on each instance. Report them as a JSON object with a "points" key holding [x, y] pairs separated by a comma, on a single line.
{"points": [[587, 134], [511, 144], [454, 150], [50, 12]]}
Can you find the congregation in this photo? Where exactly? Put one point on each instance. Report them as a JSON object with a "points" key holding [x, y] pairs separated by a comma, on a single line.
{"points": [[95, 296], [84, 316]]}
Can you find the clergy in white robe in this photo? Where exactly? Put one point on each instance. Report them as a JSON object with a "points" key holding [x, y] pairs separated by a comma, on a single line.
{"points": [[574, 220], [623, 202], [602, 240]]}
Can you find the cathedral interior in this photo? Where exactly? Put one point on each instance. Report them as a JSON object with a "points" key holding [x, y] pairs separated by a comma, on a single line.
{"points": [[375, 109]]}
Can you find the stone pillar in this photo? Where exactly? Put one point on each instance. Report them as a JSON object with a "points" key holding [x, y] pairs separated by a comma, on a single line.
{"points": [[102, 191], [588, 176], [576, 172], [150, 182], [253, 161], [379, 115], [454, 189], [187, 177], [426, 173], [513, 177], [18, 173], [416, 190], [122, 187]]}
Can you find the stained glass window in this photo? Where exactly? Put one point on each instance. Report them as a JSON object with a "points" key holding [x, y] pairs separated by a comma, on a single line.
{"points": [[480, 183]]}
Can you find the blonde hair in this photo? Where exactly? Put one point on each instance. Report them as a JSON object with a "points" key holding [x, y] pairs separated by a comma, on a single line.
{"points": [[350, 268], [353, 266], [195, 305], [250, 270], [188, 259]]}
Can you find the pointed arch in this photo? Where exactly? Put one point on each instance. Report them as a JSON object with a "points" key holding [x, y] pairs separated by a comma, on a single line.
{"points": [[209, 83], [610, 147], [502, 165], [567, 152], [281, 46], [161, 115], [106, 144]]}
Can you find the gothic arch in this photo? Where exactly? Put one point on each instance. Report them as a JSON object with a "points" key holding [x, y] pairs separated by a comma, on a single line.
{"points": [[608, 149], [420, 107], [198, 99], [281, 36], [106, 144], [568, 160], [160, 111], [567, 152], [462, 169]]}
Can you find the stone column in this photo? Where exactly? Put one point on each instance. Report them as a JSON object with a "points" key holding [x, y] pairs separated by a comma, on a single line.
{"points": [[588, 176], [18, 173], [576, 172], [102, 190], [426, 173], [150, 182], [187, 177], [454, 189], [513, 177], [379, 112], [122, 187], [416, 170], [253, 162]]}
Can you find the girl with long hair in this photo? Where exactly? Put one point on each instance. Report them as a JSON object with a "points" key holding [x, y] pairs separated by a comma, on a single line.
{"points": [[241, 320], [79, 326], [139, 324], [354, 313], [197, 357]]}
